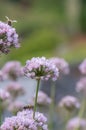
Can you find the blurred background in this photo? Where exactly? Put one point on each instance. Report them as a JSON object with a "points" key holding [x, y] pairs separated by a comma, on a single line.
{"points": [[47, 28], [50, 28]]}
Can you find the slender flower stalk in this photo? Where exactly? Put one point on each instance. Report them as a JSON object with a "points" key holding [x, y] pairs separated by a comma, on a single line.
{"points": [[40, 69], [35, 104], [0, 115]]}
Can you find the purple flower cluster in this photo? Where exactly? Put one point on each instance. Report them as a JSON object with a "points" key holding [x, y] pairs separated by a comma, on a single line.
{"points": [[24, 121], [61, 64], [15, 89], [12, 69], [41, 68], [82, 67], [81, 85], [4, 95], [16, 106], [70, 103], [76, 124], [42, 99], [8, 37]]}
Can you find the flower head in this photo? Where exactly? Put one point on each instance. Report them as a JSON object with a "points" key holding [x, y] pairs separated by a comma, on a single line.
{"points": [[41, 68], [61, 64], [15, 89], [12, 69], [4, 95], [82, 67], [8, 37], [76, 123], [24, 121], [42, 99], [69, 103]]}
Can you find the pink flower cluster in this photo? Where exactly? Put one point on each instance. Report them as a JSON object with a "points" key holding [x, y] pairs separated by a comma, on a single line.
{"points": [[70, 103], [42, 99], [16, 106], [41, 68], [61, 64], [82, 67], [24, 121], [8, 37], [76, 124], [81, 85], [4, 95], [12, 69], [15, 89]]}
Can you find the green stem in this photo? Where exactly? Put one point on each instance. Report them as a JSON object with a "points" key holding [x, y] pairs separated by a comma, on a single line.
{"points": [[0, 116], [82, 110], [35, 104], [52, 106]]}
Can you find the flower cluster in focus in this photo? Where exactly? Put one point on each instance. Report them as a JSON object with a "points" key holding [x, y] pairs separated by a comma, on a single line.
{"points": [[24, 121], [41, 68], [8, 38]]}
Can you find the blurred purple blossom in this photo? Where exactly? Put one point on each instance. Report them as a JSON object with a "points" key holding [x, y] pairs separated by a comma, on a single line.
{"points": [[69, 103], [16, 106], [76, 124], [82, 67], [13, 70], [15, 89], [61, 64], [81, 85], [42, 99]]}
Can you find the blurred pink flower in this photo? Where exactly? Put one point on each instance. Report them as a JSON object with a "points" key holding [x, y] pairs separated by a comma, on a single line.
{"points": [[4, 98], [13, 70], [76, 124], [82, 67], [61, 64], [16, 106], [15, 89], [81, 85], [69, 103], [42, 99]]}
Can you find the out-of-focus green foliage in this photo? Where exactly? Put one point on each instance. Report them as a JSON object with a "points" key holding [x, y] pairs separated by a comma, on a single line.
{"points": [[42, 26]]}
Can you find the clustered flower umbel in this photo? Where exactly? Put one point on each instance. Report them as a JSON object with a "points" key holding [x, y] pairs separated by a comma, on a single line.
{"points": [[15, 89], [24, 121], [61, 64], [76, 124], [8, 38], [13, 70], [69, 103], [82, 67], [41, 68]]}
